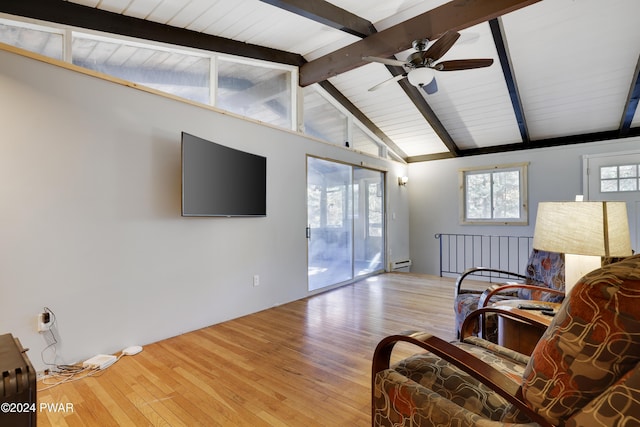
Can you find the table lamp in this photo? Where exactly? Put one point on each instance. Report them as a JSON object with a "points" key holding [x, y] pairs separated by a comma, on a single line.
{"points": [[584, 232]]}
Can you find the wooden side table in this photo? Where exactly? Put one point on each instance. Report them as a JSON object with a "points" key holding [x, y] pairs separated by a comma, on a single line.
{"points": [[520, 336]]}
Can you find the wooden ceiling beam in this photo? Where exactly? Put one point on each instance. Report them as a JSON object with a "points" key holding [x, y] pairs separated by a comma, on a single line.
{"points": [[327, 14], [507, 71], [541, 143], [632, 102], [455, 15]]}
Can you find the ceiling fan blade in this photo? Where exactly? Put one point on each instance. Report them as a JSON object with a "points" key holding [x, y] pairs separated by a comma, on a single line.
{"points": [[431, 88], [463, 64], [442, 45], [387, 61], [387, 82]]}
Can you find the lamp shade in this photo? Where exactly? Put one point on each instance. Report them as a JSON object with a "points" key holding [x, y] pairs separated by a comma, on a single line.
{"points": [[583, 228]]}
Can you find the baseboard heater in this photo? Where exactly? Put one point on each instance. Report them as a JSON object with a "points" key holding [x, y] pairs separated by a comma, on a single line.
{"points": [[18, 385], [403, 266]]}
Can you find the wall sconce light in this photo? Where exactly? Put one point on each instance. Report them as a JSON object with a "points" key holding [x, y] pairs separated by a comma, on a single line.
{"points": [[402, 180]]}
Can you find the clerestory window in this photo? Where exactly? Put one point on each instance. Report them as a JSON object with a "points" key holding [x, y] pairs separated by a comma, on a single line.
{"points": [[259, 90]]}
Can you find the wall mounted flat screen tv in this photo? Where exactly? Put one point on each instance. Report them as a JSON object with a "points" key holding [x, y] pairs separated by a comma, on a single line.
{"points": [[221, 181]]}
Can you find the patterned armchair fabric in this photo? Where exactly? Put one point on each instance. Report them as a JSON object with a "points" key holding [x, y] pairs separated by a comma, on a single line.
{"points": [[585, 371], [544, 269], [592, 345], [416, 383]]}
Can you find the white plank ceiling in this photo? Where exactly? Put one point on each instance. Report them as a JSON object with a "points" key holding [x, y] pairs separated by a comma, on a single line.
{"points": [[574, 65]]}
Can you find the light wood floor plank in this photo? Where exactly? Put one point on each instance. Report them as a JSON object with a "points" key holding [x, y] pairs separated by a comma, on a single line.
{"points": [[306, 363]]}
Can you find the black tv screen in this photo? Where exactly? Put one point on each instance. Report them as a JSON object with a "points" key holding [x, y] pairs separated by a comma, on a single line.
{"points": [[221, 181]]}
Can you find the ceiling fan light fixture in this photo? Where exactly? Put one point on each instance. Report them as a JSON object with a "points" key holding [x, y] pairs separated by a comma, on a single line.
{"points": [[421, 76]]}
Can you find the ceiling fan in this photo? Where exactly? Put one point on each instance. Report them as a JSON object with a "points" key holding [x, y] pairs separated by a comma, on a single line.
{"points": [[422, 63]]}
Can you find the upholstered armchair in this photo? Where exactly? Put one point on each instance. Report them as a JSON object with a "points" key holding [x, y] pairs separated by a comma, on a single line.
{"points": [[543, 281], [585, 371]]}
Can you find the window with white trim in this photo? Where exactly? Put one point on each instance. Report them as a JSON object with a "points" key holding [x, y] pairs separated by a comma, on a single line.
{"points": [[496, 195]]}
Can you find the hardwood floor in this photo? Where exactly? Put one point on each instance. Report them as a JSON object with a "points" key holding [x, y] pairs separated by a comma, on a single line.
{"points": [[306, 363]]}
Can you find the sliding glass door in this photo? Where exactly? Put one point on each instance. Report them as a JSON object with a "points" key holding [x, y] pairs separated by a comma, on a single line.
{"points": [[345, 211], [368, 221]]}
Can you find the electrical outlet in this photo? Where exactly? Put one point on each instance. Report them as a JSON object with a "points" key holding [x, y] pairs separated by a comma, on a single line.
{"points": [[256, 280], [44, 322]]}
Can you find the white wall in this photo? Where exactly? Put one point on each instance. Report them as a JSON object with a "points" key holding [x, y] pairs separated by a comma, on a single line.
{"points": [[554, 174], [90, 222]]}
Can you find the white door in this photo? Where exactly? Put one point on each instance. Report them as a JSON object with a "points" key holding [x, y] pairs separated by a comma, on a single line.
{"points": [[616, 177]]}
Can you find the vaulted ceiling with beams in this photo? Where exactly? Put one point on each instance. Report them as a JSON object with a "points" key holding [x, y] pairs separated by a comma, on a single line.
{"points": [[563, 71]]}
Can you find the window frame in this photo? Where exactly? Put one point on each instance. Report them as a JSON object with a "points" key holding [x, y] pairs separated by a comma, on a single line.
{"points": [[523, 218]]}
